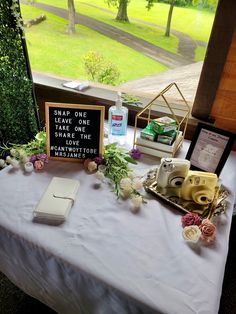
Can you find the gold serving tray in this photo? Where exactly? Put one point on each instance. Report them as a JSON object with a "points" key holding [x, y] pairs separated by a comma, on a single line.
{"points": [[217, 207]]}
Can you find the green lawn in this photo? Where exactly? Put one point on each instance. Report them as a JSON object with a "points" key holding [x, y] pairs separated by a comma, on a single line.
{"points": [[153, 35], [62, 54], [200, 53], [52, 51], [149, 33], [195, 23]]}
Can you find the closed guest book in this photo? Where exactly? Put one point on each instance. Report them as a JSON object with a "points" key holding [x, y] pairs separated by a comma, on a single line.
{"points": [[56, 202]]}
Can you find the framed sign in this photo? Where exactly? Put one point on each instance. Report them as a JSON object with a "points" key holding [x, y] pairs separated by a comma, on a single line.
{"points": [[74, 132], [210, 148]]}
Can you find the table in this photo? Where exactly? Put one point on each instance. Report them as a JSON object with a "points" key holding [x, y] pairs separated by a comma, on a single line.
{"points": [[104, 259]]}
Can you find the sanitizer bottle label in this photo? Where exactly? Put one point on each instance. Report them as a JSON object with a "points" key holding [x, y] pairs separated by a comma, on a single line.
{"points": [[118, 125]]}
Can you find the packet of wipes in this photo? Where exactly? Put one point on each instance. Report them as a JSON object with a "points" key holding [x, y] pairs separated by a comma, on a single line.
{"points": [[164, 124]]}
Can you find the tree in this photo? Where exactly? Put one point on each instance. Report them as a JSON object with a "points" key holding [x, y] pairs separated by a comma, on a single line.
{"points": [[122, 5], [150, 4], [71, 17], [167, 33], [210, 4]]}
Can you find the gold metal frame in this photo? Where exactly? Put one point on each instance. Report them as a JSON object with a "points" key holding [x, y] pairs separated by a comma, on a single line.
{"points": [[147, 110]]}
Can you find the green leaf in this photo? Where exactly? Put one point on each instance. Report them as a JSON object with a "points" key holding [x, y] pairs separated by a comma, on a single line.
{"points": [[131, 160]]}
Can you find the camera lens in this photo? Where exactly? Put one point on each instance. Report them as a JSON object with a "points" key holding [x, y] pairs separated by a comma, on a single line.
{"points": [[177, 181], [201, 198]]}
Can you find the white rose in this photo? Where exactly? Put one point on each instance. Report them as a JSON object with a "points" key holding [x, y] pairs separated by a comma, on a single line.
{"points": [[131, 175], [191, 233], [15, 164], [25, 159], [13, 152], [126, 184], [137, 200], [136, 203], [22, 153], [137, 184], [100, 175], [2, 163], [8, 159]]}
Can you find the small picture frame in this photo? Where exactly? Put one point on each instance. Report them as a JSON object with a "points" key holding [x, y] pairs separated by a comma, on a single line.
{"points": [[210, 148]]}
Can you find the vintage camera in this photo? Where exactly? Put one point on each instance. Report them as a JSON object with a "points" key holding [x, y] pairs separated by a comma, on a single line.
{"points": [[199, 187], [172, 172]]}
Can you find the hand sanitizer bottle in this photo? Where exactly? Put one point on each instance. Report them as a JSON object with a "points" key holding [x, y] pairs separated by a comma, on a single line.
{"points": [[118, 120]]}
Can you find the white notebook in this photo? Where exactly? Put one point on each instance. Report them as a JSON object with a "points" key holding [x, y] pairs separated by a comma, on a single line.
{"points": [[56, 202]]}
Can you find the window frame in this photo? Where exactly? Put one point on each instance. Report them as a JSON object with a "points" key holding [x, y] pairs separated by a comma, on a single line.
{"points": [[51, 89], [218, 46]]}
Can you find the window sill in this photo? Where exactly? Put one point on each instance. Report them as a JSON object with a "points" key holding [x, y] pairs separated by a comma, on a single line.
{"points": [[50, 89]]}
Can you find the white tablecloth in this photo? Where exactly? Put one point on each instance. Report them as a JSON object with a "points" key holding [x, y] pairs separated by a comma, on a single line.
{"points": [[104, 259]]}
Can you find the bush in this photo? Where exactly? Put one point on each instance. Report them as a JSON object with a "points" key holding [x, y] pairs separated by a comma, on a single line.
{"points": [[109, 74], [180, 3], [207, 4], [100, 70], [18, 122]]}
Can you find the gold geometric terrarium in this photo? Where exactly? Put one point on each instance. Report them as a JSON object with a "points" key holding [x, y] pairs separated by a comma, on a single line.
{"points": [[165, 103]]}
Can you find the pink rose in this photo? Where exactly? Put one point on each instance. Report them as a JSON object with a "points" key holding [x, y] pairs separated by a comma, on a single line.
{"points": [[92, 166], [86, 162], [38, 164], [42, 157], [208, 230], [191, 219]]}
